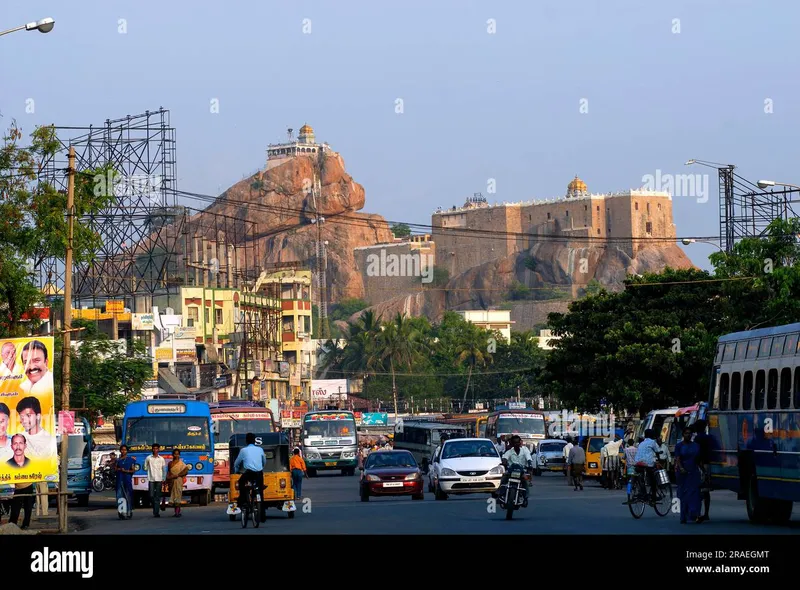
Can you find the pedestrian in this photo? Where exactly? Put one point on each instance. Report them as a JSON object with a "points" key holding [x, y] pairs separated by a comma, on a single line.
{"points": [[577, 462], [156, 469], [567, 449], [687, 474], [630, 459], [298, 468], [22, 500], [703, 439], [176, 471], [124, 483]]}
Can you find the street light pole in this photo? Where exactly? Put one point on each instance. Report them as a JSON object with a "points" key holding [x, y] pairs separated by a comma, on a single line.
{"points": [[43, 26], [65, 351]]}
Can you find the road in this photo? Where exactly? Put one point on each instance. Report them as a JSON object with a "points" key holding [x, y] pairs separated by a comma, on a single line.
{"points": [[332, 506]]}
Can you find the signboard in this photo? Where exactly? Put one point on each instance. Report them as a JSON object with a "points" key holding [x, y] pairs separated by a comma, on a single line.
{"points": [[522, 416], [166, 409], [66, 423], [284, 369], [115, 306], [242, 416], [330, 416], [185, 333], [328, 389], [164, 354], [28, 433], [375, 419], [294, 376], [185, 355], [143, 321]]}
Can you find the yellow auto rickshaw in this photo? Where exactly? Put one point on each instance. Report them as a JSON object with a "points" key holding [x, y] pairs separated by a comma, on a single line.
{"points": [[278, 491]]}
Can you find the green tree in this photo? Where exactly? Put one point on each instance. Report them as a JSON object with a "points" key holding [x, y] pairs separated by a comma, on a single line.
{"points": [[401, 230], [400, 344], [103, 377]]}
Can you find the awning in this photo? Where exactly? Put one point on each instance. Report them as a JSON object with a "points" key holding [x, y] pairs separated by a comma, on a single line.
{"points": [[169, 382]]}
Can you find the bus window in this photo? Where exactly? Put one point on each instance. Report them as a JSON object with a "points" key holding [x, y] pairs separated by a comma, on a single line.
{"points": [[730, 348], [797, 388], [765, 346], [736, 388], [747, 393], [724, 385], [760, 389], [741, 349], [791, 344], [752, 349], [720, 348], [786, 389], [772, 390], [777, 345]]}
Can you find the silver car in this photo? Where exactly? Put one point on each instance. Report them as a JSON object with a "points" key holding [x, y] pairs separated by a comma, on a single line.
{"points": [[550, 456]]}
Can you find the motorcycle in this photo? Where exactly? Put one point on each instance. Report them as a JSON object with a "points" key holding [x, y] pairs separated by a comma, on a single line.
{"points": [[512, 495], [105, 479]]}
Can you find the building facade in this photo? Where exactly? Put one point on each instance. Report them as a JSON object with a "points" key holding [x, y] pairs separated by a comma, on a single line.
{"points": [[304, 144], [491, 319], [477, 232]]}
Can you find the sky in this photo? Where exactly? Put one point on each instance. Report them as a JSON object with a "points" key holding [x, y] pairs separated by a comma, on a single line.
{"points": [[430, 102]]}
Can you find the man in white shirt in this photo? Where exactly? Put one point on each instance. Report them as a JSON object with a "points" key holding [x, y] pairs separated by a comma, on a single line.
{"points": [[567, 449], [612, 463], [517, 455], [156, 469]]}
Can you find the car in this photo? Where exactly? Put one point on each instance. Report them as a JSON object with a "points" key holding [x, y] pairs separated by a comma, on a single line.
{"points": [[550, 456], [465, 466], [391, 473]]}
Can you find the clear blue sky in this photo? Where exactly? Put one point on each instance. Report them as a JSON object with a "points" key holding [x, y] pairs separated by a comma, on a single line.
{"points": [[477, 106]]}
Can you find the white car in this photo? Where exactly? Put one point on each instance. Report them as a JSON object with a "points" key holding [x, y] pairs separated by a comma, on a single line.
{"points": [[465, 466]]}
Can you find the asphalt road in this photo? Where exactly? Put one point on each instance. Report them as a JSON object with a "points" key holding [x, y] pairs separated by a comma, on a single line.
{"points": [[332, 506]]}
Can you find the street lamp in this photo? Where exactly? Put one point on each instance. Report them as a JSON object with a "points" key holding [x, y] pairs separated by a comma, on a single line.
{"points": [[687, 241], [43, 26], [766, 183]]}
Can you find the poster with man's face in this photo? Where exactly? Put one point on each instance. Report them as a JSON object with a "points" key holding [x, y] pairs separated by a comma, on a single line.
{"points": [[28, 450]]}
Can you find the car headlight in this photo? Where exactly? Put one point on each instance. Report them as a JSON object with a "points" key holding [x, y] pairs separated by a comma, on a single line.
{"points": [[198, 466], [448, 472], [499, 470], [542, 460], [137, 467], [594, 465], [312, 455], [373, 478], [411, 476]]}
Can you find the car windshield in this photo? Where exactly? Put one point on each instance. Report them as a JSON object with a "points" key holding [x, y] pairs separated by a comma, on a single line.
{"points": [[552, 447], [382, 459], [522, 424], [459, 449]]}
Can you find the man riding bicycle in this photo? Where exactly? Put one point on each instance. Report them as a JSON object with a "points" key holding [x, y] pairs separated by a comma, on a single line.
{"points": [[253, 459], [645, 459]]}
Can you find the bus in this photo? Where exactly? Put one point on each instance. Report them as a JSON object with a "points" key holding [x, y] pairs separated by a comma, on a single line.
{"points": [[181, 423], [660, 421], [235, 417], [79, 465], [527, 424], [475, 424], [754, 420], [421, 437], [330, 441]]}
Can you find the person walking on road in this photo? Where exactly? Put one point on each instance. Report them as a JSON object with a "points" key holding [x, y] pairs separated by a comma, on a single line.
{"points": [[176, 471], [124, 482], [156, 469], [577, 462], [298, 468]]}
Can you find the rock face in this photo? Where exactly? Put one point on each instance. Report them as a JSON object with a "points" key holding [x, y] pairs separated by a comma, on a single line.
{"points": [[279, 201], [556, 268]]}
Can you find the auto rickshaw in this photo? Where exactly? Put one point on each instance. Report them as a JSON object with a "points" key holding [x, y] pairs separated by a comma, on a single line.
{"points": [[278, 491]]}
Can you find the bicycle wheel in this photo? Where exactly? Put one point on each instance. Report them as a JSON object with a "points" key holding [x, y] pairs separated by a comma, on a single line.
{"points": [[663, 502], [635, 502], [245, 515]]}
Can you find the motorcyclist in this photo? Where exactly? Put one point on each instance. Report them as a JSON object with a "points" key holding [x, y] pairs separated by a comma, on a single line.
{"points": [[517, 455]]}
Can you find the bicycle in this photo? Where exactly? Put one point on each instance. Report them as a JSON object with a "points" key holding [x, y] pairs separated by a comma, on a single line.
{"points": [[251, 508], [640, 494]]}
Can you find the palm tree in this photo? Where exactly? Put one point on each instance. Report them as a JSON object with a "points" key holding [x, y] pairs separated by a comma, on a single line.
{"points": [[401, 344], [472, 351]]}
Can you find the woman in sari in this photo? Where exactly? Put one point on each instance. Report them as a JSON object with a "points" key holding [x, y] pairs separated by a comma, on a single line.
{"points": [[687, 472], [176, 471]]}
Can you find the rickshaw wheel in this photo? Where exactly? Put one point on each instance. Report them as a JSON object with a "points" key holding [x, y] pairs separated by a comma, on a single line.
{"points": [[291, 514], [232, 517]]}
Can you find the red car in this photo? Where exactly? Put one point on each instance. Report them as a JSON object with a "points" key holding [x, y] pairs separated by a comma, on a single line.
{"points": [[391, 473]]}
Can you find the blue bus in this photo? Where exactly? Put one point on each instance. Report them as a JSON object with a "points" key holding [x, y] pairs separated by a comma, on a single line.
{"points": [[753, 419], [181, 423], [79, 466], [330, 441]]}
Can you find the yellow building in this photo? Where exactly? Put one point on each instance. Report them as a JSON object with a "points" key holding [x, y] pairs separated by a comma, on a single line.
{"points": [[293, 286]]}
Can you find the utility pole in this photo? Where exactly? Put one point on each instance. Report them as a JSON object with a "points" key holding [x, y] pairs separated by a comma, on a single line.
{"points": [[65, 351]]}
